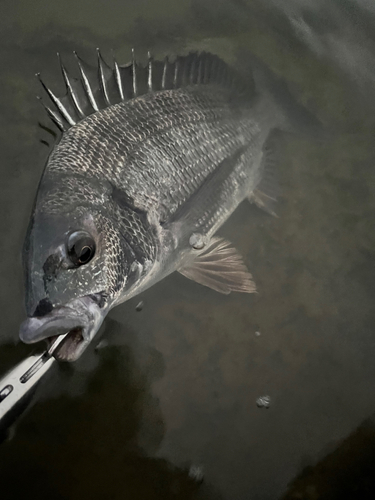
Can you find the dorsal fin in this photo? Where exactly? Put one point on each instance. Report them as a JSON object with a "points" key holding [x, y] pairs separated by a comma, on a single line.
{"points": [[102, 86]]}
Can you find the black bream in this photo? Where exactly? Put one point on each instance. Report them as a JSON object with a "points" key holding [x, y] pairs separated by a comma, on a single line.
{"points": [[151, 162]]}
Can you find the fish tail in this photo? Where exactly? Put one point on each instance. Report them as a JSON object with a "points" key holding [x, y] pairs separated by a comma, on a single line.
{"points": [[287, 112]]}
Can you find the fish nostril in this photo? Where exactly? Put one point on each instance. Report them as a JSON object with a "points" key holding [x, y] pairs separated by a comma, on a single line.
{"points": [[44, 307], [51, 266]]}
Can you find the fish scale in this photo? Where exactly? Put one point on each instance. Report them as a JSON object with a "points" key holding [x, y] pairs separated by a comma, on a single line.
{"points": [[106, 153]]}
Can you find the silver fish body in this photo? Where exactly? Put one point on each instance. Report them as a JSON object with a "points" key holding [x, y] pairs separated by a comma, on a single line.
{"points": [[137, 190]]}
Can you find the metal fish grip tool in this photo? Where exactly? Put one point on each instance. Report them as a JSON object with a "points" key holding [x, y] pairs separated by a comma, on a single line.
{"points": [[20, 382]]}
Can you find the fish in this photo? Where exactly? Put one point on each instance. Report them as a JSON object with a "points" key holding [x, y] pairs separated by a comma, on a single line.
{"points": [[152, 159]]}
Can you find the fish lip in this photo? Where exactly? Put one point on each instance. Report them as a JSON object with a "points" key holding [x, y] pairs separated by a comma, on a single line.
{"points": [[80, 318]]}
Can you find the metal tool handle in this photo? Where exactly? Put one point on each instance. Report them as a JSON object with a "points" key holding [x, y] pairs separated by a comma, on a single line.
{"points": [[23, 378]]}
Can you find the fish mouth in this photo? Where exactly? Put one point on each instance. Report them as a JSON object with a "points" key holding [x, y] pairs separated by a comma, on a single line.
{"points": [[71, 348], [80, 319]]}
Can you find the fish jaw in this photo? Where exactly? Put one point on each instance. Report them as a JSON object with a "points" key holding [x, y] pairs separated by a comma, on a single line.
{"points": [[81, 318]]}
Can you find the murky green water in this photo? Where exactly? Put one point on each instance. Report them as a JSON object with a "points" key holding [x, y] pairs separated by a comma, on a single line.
{"points": [[172, 398]]}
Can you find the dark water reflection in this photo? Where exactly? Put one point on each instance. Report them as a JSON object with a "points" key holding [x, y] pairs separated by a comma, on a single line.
{"points": [[95, 452], [173, 395]]}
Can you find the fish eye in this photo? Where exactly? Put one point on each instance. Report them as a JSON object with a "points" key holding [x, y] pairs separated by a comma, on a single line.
{"points": [[81, 248]]}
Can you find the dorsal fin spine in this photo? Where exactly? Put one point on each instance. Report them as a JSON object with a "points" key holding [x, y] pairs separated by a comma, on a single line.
{"points": [[86, 83], [53, 115], [69, 88], [64, 112], [192, 70], [164, 77], [184, 75], [199, 78], [119, 80], [175, 77], [149, 74], [134, 69], [206, 71], [102, 80]]}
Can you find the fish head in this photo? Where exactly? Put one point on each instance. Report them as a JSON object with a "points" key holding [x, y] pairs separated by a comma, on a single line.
{"points": [[77, 264]]}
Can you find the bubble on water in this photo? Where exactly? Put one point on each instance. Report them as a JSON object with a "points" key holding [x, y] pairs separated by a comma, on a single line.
{"points": [[139, 306], [257, 334], [196, 473], [263, 402]]}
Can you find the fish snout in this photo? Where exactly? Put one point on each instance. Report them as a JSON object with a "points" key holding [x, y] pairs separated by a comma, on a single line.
{"points": [[81, 319]]}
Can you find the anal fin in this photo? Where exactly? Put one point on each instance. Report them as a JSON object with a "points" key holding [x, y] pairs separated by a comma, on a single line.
{"points": [[220, 267]]}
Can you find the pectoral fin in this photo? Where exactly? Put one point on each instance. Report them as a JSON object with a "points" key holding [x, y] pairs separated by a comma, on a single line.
{"points": [[220, 267]]}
